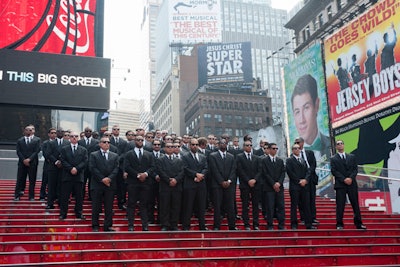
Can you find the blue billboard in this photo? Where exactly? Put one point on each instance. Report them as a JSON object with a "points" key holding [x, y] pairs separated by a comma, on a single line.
{"points": [[225, 63]]}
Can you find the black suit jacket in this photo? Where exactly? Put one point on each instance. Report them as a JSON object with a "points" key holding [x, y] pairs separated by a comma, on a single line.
{"points": [[247, 170], [30, 150], [191, 167], [122, 145], [91, 147], [313, 165], [342, 169], [167, 168], [222, 170], [133, 166], [53, 152], [101, 168], [272, 173], [70, 160], [234, 151], [297, 171]]}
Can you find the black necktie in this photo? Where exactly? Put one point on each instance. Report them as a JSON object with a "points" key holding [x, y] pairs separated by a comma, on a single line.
{"points": [[156, 155], [140, 154], [74, 149], [302, 155], [105, 155], [117, 141], [27, 140], [195, 158], [249, 156]]}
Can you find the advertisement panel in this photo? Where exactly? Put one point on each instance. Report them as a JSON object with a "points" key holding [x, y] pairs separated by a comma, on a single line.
{"points": [[51, 80], [222, 63], [306, 109], [66, 27], [362, 69], [195, 21]]}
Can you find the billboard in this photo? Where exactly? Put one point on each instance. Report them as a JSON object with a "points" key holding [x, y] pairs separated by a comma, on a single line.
{"points": [[195, 21], [62, 27], [52, 80], [222, 63], [306, 109], [362, 69], [306, 104]]}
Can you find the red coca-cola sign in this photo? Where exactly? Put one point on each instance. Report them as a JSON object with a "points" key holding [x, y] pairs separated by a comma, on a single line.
{"points": [[53, 26]]}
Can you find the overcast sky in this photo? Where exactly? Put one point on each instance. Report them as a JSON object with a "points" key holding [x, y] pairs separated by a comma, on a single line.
{"points": [[121, 27]]}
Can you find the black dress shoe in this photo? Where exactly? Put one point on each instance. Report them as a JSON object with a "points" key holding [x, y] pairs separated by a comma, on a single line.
{"points": [[109, 229], [95, 228], [294, 227], [339, 227], [185, 228], [16, 198], [247, 228], [362, 227], [315, 222], [311, 227], [164, 229], [269, 228], [174, 229], [62, 217], [233, 228], [81, 217], [130, 228], [31, 199], [281, 227], [50, 207], [122, 207], [145, 228], [204, 228], [256, 228], [216, 229]]}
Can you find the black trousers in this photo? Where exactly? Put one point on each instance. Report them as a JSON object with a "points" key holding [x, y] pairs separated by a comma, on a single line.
{"points": [[247, 194], [275, 203], [54, 186], [138, 192], [194, 198], [224, 197], [74, 187], [45, 179], [352, 192], [102, 195], [23, 171], [300, 197], [170, 207]]}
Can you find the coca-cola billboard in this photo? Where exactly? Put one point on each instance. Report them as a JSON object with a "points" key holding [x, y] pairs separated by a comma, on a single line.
{"points": [[64, 26]]}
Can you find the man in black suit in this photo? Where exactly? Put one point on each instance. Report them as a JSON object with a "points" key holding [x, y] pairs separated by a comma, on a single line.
{"points": [[309, 158], [138, 173], [272, 176], [223, 174], [170, 170], [299, 188], [74, 159], [260, 151], [194, 185], [28, 148], [247, 171], [91, 145], [104, 168], [344, 168], [154, 194], [211, 146], [45, 175], [148, 141], [55, 170], [122, 147]]}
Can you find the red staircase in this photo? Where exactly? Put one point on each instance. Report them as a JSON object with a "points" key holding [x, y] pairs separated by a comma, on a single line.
{"points": [[32, 236]]}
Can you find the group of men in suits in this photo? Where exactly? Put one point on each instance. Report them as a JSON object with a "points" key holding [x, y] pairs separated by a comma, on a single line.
{"points": [[181, 176]]}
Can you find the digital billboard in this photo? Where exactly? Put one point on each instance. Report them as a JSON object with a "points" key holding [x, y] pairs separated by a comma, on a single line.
{"points": [[53, 80], [222, 63], [62, 27], [195, 21], [362, 64]]}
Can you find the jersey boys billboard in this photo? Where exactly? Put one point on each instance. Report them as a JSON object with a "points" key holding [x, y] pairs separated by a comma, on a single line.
{"points": [[64, 26], [222, 63], [362, 69], [195, 21]]}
